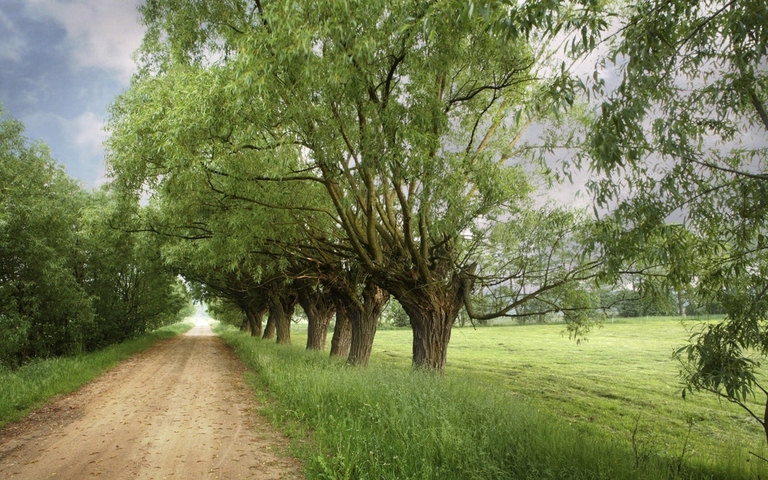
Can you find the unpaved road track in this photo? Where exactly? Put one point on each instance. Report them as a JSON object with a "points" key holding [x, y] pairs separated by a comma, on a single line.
{"points": [[179, 410]]}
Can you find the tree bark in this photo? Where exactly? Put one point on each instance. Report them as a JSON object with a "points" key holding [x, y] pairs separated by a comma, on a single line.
{"points": [[431, 325], [281, 307], [432, 309], [317, 303], [342, 331], [255, 317], [269, 328], [245, 327], [364, 317], [357, 313], [765, 418], [317, 330], [253, 307]]}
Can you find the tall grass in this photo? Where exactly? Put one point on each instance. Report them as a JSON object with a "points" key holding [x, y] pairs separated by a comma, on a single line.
{"points": [[388, 422], [623, 382], [31, 385]]}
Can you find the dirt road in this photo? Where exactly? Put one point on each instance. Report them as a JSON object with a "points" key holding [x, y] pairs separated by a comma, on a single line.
{"points": [[179, 410]]}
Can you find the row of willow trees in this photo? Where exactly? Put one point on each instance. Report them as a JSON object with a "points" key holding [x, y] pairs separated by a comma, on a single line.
{"points": [[338, 153], [69, 282]]}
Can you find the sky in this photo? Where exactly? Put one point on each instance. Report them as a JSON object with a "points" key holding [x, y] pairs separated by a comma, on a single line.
{"points": [[62, 62]]}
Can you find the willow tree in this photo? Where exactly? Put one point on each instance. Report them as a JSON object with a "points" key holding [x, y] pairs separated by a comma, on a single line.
{"points": [[233, 295], [216, 226], [687, 128], [223, 221], [407, 114]]}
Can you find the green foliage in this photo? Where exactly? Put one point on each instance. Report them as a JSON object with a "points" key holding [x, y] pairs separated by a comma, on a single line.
{"points": [[43, 306], [132, 290], [393, 162], [390, 422], [33, 384], [394, 314], [226, 312], [628, 303], [69, 280], [686, 132], [534, 270]]}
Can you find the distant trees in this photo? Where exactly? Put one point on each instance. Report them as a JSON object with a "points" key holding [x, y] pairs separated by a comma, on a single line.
{"points": [[68, 282], [130, 287]]}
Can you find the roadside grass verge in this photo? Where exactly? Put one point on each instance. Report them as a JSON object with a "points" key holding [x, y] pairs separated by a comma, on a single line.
{"points": [[388, 422], [30, 386]]}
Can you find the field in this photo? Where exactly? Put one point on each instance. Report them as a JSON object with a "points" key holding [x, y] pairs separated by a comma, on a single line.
{"points": [[622, 377], [616, 393]]}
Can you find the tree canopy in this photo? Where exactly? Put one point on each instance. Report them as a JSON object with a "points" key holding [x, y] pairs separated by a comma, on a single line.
{"points": [[372, 140], [686, 132], [68, 281]]}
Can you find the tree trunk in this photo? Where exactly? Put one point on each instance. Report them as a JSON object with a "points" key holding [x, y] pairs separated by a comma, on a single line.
{"points": [[317, 330], [269, 328], [281, 309], [364, 317], [342, 331], [765, 419], [363, 333], [318, 305], [357, 315], [245, 327], [432, 311], [254, 318], [431, 333]]}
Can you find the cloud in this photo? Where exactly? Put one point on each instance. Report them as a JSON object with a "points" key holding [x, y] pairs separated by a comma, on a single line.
{"points": [[11, 43], [89, 133], [87, 144], [105, 33], [78, 140]]}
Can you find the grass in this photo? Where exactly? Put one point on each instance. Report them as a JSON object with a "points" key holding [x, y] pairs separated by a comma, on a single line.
{"points": [[622, 382], [30, 386], [515, 402]]}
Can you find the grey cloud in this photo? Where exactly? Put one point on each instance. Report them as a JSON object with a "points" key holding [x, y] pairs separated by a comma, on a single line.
{"points": [[103, 33], [12, 45]]}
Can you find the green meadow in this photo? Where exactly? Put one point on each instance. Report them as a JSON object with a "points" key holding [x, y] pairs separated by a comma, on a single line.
{"points": [[524, 401], [621, 381]]}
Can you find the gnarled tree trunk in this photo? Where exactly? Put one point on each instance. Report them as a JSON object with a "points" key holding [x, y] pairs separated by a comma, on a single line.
{"points": [[432, 309], [431, 322], [270, 327], [245, 327], [281, 307], [254, 317], [317, 303], [342, 331], [364, 316]]}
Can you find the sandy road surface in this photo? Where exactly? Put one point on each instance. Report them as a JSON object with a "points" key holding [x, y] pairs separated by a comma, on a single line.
{"points": [[178, 410]]}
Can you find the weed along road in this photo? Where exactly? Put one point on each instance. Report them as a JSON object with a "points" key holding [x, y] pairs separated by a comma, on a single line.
{"points": [[179, 410]]}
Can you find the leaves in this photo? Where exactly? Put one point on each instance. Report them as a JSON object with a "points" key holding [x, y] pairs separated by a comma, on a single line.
{"points": [[339, 135], [64, 272], [682, 146]]}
